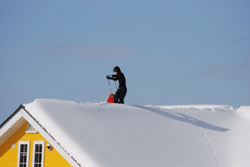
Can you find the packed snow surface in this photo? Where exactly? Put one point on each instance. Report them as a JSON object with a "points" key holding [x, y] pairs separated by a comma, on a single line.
{"points": [[113, 135]]}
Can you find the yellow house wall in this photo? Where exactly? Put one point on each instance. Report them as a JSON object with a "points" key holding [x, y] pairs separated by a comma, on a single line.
{"points": [[9, 156]]}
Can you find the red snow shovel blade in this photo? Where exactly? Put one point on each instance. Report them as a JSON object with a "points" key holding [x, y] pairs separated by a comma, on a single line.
{"points": [[111, 98]]}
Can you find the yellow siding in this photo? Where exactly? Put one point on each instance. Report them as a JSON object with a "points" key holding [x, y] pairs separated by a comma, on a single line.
{"points": [[8, 156]]}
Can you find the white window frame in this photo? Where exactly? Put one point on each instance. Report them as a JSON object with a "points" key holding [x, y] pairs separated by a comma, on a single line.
{"points": [[43, 148], [19, 150]]}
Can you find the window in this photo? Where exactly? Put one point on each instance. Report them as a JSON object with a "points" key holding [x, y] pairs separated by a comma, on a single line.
{"points": [[23, 153], [38, 153]]}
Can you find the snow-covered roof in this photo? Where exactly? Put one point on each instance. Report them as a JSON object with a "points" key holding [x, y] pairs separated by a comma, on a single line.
{"points": [[113, 135]]}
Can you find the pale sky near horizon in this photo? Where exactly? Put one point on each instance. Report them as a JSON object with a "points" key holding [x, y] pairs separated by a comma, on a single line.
{"points": [[171, 52]]}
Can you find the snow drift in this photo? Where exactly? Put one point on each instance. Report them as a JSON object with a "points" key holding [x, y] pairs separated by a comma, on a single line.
{"points": [[113, 135]]}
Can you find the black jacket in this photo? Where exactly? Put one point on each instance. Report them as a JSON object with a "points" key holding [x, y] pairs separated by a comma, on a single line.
{"points": [[121, 78]]}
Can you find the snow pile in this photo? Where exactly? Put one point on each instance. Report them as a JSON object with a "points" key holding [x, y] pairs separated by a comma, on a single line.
{"points": [[112, 135], [244, 111]]}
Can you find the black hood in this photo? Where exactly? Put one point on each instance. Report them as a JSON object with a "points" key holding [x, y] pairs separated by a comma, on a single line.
{"points": [[117, 69]]}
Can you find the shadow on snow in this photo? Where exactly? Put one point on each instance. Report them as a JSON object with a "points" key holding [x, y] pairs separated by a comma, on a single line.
{"points": [[186, 119]]}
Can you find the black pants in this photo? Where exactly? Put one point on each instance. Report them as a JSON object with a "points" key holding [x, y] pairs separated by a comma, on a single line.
{"points": [[120, 95]]}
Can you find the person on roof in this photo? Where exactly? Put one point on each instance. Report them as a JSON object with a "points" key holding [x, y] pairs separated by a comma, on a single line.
{"points": [[122, 89]]}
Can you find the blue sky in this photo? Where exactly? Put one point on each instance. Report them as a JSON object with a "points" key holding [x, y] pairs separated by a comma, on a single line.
{"points": [[171, 52]]}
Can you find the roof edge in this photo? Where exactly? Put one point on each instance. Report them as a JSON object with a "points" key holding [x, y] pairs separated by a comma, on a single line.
{"points": [[49, 137], [12, 115]]}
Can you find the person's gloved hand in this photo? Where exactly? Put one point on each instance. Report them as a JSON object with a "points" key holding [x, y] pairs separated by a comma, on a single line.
{"points": [[108, 77]]}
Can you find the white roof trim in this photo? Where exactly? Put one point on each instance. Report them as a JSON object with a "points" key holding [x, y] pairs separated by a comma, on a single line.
{"points": [[11, 126], [18, 119]]}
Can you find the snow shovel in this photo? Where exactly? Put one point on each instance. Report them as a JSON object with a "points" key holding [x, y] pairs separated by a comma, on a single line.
{"points": [[111, 95]]}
